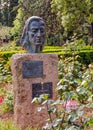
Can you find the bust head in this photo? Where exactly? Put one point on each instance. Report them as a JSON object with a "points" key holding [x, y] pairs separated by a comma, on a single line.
{"points": [[33, 36]]}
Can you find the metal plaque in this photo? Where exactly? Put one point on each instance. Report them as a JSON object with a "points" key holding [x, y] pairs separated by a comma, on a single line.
{"points": [[38, 89], [32, 69]]}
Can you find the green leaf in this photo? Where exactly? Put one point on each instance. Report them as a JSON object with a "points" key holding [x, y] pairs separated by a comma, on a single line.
{"points": [[72, 117], [56, 122], [90, 84], [89, 105], [89, 121], [52, 110], [72, 128], [84, 83], [35, 100], [44, 96]]}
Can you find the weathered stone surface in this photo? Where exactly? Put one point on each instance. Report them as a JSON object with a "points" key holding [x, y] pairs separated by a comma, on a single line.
{"points": [[25, 113]]}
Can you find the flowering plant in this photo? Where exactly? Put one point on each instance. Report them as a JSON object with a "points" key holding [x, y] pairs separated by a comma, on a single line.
{"points": [[1, 99]]}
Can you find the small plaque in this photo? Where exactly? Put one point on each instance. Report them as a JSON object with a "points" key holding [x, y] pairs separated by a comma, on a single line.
{"points": [[38, 89], [32, 69]]}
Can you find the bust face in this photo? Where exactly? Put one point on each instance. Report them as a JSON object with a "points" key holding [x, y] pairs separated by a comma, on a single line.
{"points": [[33, 36], [36, 32]]}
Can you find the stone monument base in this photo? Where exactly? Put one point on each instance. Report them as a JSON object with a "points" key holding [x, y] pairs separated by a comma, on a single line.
{"points": [[29, 71]]}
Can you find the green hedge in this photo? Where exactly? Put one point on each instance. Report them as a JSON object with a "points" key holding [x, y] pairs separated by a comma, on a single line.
{"points": [[86, 55], [5, 66], [7, 54]]}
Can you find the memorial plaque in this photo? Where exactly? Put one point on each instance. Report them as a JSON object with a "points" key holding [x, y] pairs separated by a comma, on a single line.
{"points": [[32, 69], [38, 89]]}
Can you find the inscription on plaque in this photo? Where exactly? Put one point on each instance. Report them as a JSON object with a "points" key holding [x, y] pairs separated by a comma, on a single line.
{"points": [[32, 69], [38, 89]]}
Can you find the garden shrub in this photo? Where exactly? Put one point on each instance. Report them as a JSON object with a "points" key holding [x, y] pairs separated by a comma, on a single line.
{"points": [[85, 53], [4, 31], [6, 104], [75, 94], [5, 70], [86, 57]]}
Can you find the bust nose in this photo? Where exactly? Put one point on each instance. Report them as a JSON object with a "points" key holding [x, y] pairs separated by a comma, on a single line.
{"points": [[39, 33]]}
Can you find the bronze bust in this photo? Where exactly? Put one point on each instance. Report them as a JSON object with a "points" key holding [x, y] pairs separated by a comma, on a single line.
{"points": [[33, 36]]}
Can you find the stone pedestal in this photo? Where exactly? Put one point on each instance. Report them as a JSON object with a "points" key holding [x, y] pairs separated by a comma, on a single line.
{"points": [[25, 112]]}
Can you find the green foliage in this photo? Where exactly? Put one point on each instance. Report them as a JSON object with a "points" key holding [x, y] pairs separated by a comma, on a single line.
{"points": [[75, 17], [6, 76], [12, 11], [68, 48], [75, 85], [10, 48], [8, 11], [73, 80], [86, 57], [51, 49], [18, 22], [85, 52], [8, 125], [72, 13], [35, 8], [4, 31], [8, 104]]}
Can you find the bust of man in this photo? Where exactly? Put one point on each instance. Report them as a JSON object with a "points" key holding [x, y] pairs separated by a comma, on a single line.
{"points": [[33, 36]]}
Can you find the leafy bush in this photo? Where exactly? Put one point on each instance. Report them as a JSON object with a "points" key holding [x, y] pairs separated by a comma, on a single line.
{"points": [[11, 47], [6, 53], [85, 52], [75, 95], [18, 22], [8, 104], [6, 77], [4, 30]]}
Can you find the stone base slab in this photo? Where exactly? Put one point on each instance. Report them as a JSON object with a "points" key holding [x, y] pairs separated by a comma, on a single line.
{"points": [[25, 112]]}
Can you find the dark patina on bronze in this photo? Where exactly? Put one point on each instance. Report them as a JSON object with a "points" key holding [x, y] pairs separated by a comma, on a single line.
{"points": [[39, 88], [32, 69], [33, 36]]}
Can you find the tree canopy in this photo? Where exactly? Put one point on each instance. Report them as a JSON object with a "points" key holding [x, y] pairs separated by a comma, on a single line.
{"points": [[66, 17], [8, 11], [76, 16]]}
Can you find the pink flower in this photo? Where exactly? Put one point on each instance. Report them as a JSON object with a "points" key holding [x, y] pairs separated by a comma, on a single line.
{"points": [[90, 65], [71, 104]]}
